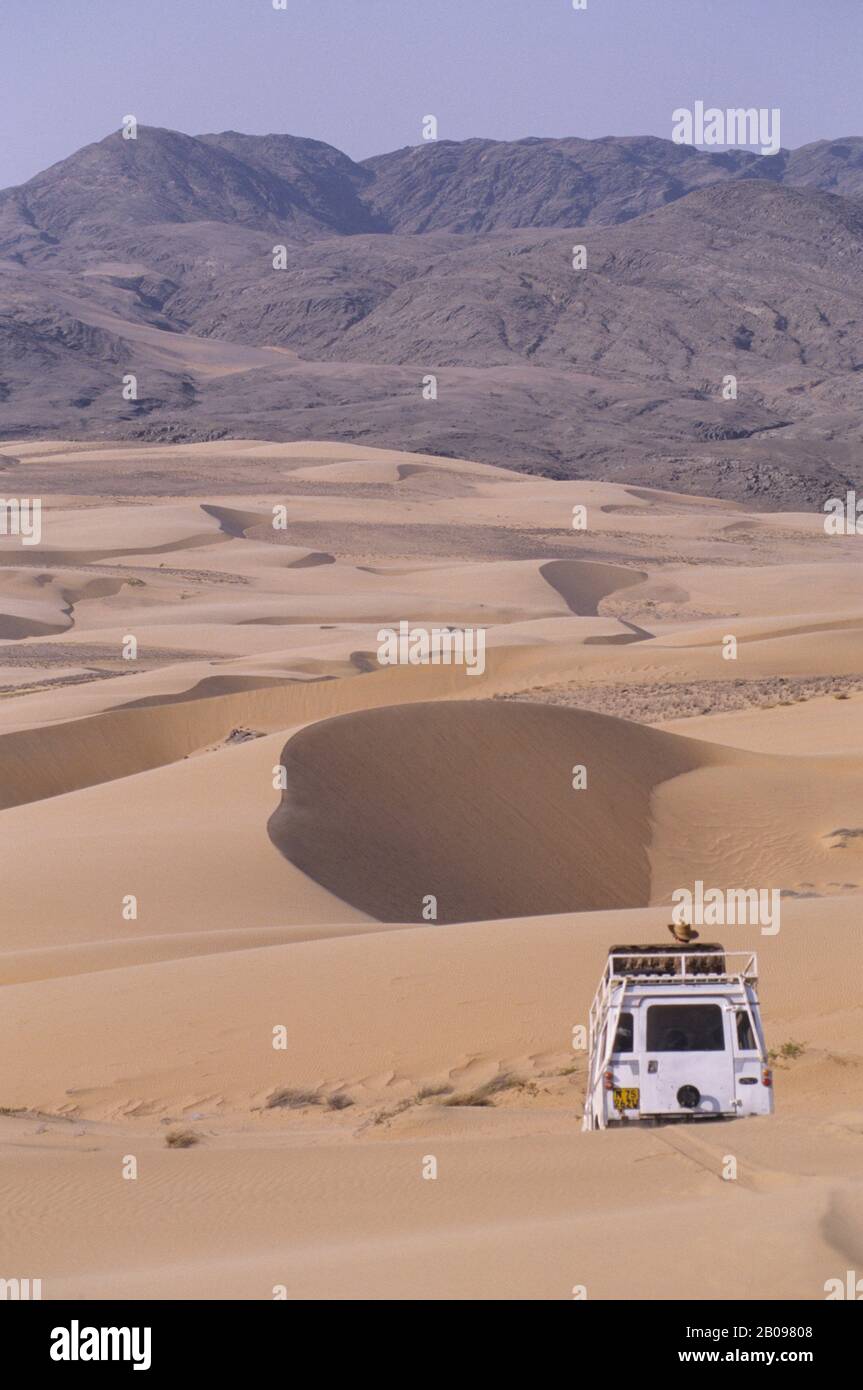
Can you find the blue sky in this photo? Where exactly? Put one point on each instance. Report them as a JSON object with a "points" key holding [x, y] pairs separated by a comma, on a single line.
{"points": [[361, 74]]}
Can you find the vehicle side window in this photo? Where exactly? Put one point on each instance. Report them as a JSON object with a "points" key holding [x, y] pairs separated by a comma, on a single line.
{"points": [[745, 1040], [624, 1037], [685, 1028]]}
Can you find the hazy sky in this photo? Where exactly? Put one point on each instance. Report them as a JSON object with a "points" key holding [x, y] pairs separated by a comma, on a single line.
{"points": [[361, 74]]}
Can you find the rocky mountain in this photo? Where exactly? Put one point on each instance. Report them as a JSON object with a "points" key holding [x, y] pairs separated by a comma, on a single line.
{"points": [[833, 166], [484, 185], [300, 187], [155, 257]]}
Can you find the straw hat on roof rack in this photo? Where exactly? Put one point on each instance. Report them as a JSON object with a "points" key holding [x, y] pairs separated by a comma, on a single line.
{"points": [[682, 932]]}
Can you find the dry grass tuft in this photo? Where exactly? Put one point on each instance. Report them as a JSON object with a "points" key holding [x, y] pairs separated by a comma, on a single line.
{"points": [[290, 1099], [182, 1138], [483, 1094]]}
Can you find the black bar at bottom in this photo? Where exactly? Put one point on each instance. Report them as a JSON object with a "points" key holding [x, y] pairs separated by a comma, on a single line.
{"points": [[153, 1338]]}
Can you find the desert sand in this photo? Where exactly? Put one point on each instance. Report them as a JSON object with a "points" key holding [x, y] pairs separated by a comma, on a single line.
{"points": [[153, 779]]}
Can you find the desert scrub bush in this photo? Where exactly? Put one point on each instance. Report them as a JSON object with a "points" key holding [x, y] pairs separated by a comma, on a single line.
{"points": [[382, 1117], [431, 1092], [290, 1099], [788, 1052], [339, 1101], [182, 1138], [483, 1095]]}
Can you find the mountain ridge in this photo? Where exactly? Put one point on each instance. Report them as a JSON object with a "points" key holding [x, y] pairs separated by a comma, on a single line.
{"points": [[441, 185], [453, 259]]}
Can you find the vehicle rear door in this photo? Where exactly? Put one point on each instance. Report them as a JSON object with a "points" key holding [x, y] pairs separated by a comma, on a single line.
{"points": [[688, 1061]]}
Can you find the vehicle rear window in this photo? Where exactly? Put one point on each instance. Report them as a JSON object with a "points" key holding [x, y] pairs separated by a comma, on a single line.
{"points": [[685, 1028], [623, 1038], [745, 1040]]}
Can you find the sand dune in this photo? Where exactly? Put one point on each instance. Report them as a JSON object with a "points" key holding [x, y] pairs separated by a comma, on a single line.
{"points": [[41, 605], [168, 903], [375, 1013], [826, 726], [456, 785], [492, 1226], [55, 758], [584, 585], [474, 804], [514, 1177]]}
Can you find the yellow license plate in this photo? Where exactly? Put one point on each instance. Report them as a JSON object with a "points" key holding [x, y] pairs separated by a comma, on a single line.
{"points": [[626, 1097]]}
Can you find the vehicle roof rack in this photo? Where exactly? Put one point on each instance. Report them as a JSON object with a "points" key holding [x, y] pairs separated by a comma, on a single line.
{"points": [[672, 960], [664, 950], [679, 963]]}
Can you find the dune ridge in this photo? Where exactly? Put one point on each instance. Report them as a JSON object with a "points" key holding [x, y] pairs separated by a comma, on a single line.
{"points": [[474, 804], [172, 912]]}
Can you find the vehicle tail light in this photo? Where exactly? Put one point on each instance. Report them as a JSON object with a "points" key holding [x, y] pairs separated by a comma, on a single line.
{"points": [[608, 1080], [767, 1076]]}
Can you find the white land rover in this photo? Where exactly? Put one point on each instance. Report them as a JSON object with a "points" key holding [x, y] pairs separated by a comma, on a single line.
{"points": [[675, 1033]]}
